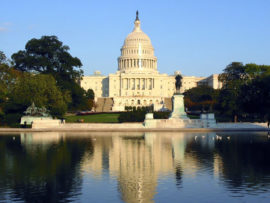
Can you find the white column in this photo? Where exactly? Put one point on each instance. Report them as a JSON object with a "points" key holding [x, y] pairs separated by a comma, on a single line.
{"points": [[128, 83]]}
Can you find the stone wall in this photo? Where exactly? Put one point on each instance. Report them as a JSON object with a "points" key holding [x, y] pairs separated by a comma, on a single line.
{"points": [[101, 126], [241, 125], [150, 123], [43, 124]]}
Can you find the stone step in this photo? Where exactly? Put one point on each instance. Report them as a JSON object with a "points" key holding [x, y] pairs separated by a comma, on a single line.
{"points": [[104, 104]]}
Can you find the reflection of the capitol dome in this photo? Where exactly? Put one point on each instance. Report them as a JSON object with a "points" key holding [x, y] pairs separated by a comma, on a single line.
{"points": [[136, 167], [140, 160]]}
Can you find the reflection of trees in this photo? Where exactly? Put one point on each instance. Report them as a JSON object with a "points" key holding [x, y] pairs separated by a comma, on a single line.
{"points": [[246, 160], [41, 174], [48, 169], [200, 148], [241, 159]]}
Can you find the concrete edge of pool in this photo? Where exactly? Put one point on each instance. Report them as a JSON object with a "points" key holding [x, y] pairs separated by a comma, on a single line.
{"points": [[16, 130]]}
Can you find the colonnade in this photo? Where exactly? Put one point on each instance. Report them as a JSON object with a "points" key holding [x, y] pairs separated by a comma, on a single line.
{"points": [[137, 63], [137, 83]]}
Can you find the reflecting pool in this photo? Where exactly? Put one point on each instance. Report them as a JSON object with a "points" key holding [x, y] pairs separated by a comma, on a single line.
{"points": [[135, 167]]}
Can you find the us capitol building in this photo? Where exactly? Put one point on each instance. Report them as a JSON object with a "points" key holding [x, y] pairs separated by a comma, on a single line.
{"points": [[137, 81]]}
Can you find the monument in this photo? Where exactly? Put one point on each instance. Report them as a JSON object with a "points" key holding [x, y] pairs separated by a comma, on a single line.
{"points": [[178, 107], [178, 117], [35, 113]]}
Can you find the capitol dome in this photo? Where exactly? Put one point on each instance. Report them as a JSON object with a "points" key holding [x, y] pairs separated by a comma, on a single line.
{"points": [[137, 53]]}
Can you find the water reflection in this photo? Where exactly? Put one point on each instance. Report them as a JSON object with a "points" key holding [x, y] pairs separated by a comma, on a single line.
{"points": [[38, 169], [38, 166]]}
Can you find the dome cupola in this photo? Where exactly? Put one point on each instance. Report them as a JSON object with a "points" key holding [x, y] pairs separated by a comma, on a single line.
{"points": [[137, 53]]}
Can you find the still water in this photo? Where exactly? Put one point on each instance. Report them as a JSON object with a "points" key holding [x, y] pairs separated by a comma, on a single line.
{"points": [[135, 167]]}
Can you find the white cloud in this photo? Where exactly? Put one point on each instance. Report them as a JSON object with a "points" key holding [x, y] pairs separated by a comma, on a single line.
{"points": [[4, 26], [7, 23], [3, 29]]}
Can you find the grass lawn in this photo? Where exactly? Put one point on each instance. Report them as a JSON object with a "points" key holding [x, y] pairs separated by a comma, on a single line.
{"points": [[95, 118]]}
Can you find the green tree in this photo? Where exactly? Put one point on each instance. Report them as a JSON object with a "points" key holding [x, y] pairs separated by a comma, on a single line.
{"points": [[253, 70], [3, 58], [40, 89], [236, 79], [201, 98], [90, 94], [8, 77], [255, 98], [233, 77], [48, 55]]}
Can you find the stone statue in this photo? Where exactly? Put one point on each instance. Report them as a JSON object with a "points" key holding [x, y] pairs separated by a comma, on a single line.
{"points": [[137, 15], [178, 83], [35, 111]]}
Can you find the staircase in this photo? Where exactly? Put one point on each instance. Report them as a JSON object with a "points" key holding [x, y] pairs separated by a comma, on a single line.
{"points": [[104, 104], [168, 103]]}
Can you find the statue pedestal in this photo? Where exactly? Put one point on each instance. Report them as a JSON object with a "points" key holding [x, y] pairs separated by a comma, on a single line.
{"points": [[178, 110], [178, 118], [28, 120]]}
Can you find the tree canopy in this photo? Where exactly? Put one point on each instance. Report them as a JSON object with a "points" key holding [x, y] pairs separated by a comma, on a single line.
{"points": [[201, 98], [40, 89], [237, 88], [255, 97], [48, 55]]}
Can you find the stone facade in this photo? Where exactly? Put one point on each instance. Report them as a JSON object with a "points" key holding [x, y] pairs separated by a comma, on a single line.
{"points": [[137, 81]]}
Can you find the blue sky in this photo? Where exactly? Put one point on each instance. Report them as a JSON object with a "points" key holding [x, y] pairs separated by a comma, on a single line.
{"points": [[197, 37]]}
